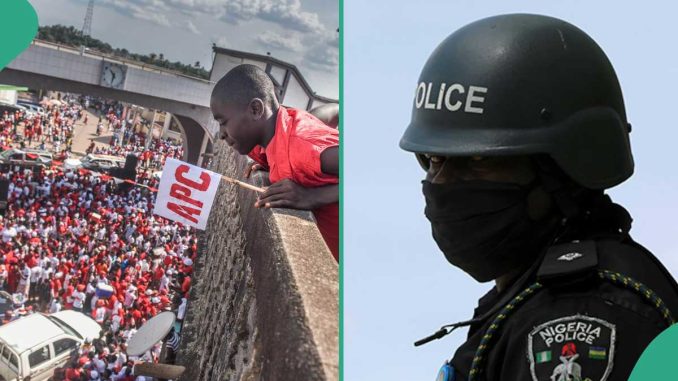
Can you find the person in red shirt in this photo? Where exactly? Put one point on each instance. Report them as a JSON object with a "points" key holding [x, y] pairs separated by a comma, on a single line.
{"points": [[72, 373], [186, 285], [136, 314], [68, 297], [158, 273], [55, 284], [12, 278], [300, 152]]}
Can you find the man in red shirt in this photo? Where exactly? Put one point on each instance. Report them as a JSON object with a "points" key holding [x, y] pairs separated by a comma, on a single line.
{"points": [[300, 152]]}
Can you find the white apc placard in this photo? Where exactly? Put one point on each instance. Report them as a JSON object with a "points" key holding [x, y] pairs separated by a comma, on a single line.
{"points": [[186, 193]]}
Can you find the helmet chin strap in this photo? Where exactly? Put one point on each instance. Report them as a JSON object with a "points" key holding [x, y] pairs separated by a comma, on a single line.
{"points": [[553, 182]]}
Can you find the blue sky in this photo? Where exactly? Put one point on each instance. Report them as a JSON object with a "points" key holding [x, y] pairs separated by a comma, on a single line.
{"points": [[301, 32], [397, 285]]}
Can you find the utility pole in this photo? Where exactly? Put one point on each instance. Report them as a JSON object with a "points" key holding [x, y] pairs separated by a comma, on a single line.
{"points": [[87, 25]]}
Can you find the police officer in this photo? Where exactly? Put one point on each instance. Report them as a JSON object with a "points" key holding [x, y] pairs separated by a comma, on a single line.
{"points": [[520, 124]]}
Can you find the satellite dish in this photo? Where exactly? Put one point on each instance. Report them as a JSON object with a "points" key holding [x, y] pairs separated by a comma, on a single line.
{"points": [[150, 333]]}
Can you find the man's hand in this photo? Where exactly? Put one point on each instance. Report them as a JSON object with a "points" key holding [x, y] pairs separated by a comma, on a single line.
{"points": [[253, 168], [288, 194], [285, 194]]}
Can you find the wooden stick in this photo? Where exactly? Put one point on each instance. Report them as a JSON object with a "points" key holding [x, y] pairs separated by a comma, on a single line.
{"points": [[243, 184]]}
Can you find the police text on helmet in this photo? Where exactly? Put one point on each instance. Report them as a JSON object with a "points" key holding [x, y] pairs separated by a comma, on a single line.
{"points": [[450, 97]]}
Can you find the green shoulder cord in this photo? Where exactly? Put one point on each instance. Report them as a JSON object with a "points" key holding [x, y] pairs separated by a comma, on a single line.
{"points": [[616, 278], [640, 289]]}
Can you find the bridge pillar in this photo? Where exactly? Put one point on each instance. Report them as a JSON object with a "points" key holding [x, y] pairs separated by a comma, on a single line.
{"points": [[203, 149], [193, 138], [168, 121]]}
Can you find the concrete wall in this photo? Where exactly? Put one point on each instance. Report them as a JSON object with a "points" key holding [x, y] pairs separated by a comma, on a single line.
{"points": [[265, 302]]}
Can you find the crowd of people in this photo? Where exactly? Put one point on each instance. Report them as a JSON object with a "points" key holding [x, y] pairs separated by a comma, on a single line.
{"points": [[126, 139], [80, 240], [151, 157], [52, 128], [68, 237]]}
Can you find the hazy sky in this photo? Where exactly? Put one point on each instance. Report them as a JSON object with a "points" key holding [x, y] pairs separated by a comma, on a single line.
{"points": [[303, 33], [398, 286]]}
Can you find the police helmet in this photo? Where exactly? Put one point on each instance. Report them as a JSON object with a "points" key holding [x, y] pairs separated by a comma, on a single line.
{"points": [[523, 84]]}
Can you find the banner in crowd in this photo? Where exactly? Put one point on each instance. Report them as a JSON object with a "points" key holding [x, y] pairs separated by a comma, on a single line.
{"points": [[186, 193]]}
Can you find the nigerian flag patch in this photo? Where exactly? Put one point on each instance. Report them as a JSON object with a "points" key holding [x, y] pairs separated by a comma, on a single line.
{"points": [[597, 353], [571, 348], [542, 357]]}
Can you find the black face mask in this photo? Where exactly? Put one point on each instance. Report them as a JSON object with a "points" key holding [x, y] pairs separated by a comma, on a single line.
{"points": [[483, 227]]}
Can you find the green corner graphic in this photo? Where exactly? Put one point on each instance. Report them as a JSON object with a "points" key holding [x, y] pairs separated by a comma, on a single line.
{"points": [[658, 361], [19, 26]]}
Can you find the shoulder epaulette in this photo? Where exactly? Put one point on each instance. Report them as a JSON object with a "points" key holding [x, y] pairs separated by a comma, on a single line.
{"points": [[568, 262]]}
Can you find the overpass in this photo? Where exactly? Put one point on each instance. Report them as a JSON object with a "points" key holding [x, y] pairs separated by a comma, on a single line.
{"points": [[51, 66], [55, 67]]}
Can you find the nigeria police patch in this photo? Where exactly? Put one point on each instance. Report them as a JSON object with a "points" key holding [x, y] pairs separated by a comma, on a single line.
{"points": [[571, 348]]}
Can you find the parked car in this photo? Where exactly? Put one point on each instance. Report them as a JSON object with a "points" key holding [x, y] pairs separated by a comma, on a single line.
{"points": [[46, 155], [30, 158], [101, 163], [32, 107], [27, 111], [10, 108], [72, 163], [32, 347]]}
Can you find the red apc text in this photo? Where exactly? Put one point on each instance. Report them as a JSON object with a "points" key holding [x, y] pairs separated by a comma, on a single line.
{"points": [[183, 190]]}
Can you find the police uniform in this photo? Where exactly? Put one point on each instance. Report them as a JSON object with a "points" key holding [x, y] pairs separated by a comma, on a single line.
{"points": [[591, 298], [590, 307]]}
